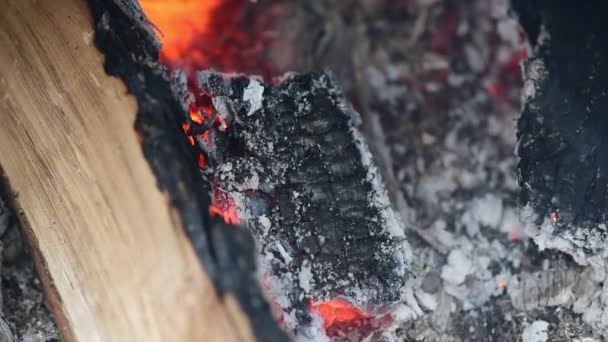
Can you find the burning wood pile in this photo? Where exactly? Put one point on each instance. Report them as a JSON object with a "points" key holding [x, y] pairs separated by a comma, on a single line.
{"points": [[344, 170]]}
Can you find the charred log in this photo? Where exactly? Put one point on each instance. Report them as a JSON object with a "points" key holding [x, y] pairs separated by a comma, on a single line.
{"points": [[562, 130], [305, 184]]}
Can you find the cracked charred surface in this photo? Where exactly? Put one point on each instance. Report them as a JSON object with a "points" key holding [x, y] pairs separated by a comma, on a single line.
{"points": [[562, 130], [311, 195], [435, 75]]}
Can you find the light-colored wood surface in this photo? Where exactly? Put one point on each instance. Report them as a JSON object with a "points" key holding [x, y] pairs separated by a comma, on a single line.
{"points": [[115, 263]]}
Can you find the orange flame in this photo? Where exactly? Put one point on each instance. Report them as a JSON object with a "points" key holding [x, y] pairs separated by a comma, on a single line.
{"points": [[180, 22], [195, 116], [200, 34], [228, 214], [186, 128]]}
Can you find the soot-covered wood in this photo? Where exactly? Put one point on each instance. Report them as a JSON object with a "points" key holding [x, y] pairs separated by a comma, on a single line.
{"points": [[563, 130], [226, 252], [305, 181]]}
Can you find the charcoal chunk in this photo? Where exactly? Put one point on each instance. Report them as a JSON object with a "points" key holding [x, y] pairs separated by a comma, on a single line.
{"points": [[332, 217]]}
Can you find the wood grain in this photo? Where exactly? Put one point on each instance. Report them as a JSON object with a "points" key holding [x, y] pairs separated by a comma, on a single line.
{"points": [[114, 260]]}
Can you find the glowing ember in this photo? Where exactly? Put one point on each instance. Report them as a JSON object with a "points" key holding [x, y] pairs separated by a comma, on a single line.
{"points": [[341, 318], [554, 217], [224, 206], [337, 311], [514, 234], [202, 162], [186, 129], [201, 34], [496, 89], [513, 65], [229, 215], [195, 116]]}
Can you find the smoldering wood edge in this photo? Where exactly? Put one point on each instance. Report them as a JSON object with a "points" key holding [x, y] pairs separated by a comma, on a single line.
{"points": [[51, 293], [132, 55]]}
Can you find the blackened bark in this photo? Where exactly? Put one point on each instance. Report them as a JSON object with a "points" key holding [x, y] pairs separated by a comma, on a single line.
{"points": [[563, 130]]}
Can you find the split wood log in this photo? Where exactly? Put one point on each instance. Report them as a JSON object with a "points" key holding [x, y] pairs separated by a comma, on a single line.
{"points": [[113, 257]]}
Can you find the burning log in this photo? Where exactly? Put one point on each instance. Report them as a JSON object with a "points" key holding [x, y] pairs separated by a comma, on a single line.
{"points": [[293, 166], [562, 130]]}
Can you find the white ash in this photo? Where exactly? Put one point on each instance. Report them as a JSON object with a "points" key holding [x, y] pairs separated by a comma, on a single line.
{"points": [[460, 264], [536, 332], [509, 30], [580, 242], [427, 301], [253, 95], [589, 294], [314, 332], [305, 278], [488, 210]]}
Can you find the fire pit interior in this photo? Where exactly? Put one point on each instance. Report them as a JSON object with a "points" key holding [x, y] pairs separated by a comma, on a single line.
{"points": [[277, 101], [355, 170]]}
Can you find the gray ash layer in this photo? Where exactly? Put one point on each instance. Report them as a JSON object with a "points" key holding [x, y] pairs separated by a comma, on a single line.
{"points": [[427, 69], [309, 191]]}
